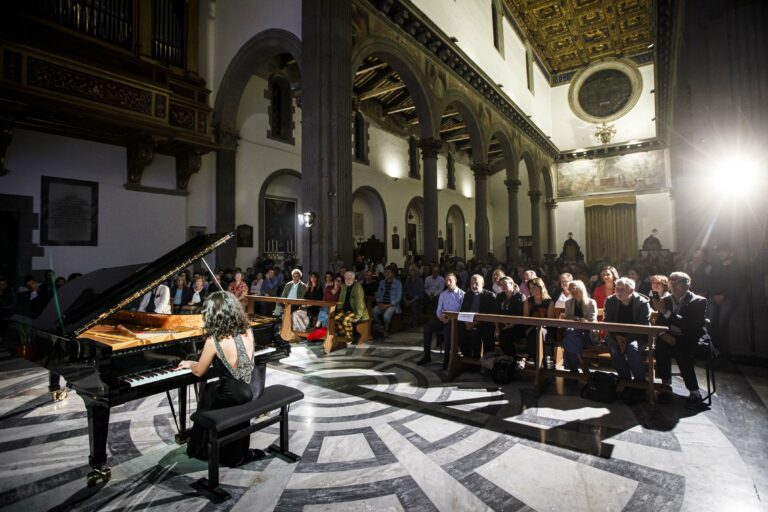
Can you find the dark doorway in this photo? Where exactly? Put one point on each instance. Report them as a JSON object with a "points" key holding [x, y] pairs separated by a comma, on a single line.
{"points": [[9, 241]]}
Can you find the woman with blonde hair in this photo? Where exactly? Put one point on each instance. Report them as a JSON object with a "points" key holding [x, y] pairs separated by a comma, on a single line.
{"points": [[581, 308], [538, 305]]}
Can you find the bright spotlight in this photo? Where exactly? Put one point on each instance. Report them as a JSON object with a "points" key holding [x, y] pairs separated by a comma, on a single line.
{"points": [[741, 170]]}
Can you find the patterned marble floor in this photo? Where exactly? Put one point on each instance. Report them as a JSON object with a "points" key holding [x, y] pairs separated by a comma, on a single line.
{"points": [[377, 432]]}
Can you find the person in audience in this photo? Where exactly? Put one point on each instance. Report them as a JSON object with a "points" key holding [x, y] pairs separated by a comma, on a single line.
{"points": [[659, 286], [434, 284], [608, 275], [449, 300], [527, 276], [509, 302], [257, 283], [413, 293], [360, 267], [350, 308], [305, 316], [474, 335], [496, 277], [685, 314], [726, 286], [331, 292], [238, 287], [229, 348], [565, 290], [157, 300], [295, 289], [388, 298], [74, 276], [538, 305], [181, 294], [699, 269], [381, 267], [626, 306], [462, 277], [198, 294], [579, 307], [32, 300], [370, 286], [60, 281]]}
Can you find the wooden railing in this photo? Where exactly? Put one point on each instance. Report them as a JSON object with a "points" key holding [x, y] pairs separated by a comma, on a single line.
{"points": [[542, 374], [286, 331]]}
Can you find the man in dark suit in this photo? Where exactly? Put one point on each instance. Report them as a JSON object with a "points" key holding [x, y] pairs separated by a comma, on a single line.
{"points": [[33, 300], [474, 334], [685, 314], [627, 307]]}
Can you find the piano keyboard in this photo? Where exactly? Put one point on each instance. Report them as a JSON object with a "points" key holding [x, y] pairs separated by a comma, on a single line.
{"points": [[153, 375]]}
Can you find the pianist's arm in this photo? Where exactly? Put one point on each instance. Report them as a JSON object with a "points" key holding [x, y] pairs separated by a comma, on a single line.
{"points": [[200, 367]]}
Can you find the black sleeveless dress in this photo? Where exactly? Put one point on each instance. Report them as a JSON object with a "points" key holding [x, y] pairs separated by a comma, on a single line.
{"points": [[232, 388]]}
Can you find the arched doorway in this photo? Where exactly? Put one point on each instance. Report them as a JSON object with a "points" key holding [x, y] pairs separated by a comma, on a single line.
{"points": [[369, 216], [279, 205], [455, 233]]}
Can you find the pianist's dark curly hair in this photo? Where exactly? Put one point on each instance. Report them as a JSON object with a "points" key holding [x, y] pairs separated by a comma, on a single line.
{"points": [[224, 316]]}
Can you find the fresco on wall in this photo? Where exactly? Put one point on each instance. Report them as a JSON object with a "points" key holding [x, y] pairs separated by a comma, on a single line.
{"points": [[636, 172]]}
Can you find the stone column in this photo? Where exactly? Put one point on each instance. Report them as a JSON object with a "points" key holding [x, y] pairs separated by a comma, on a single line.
{"points": [[513, 186], [429, 151], [482, 243], [551, 205], [326, 153], [226, 157], [535, 196]]}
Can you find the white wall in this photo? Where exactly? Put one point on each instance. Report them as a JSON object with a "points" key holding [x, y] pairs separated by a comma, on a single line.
{"points": [[571, 218], [133, 227], [656, 211], [498, 213], [569, 132]]}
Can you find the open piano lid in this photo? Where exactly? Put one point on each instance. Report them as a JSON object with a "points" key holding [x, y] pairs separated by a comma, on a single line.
{"points": [[95, 296]]}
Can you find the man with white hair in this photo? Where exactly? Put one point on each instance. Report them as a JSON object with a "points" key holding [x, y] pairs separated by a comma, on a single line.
{"points": [[685, 314], [295, 289], [627, 307], [473, 335]]}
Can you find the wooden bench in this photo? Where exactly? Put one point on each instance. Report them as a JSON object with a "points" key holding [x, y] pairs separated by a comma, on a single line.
{"points": [[215, 421], [544, 375]]}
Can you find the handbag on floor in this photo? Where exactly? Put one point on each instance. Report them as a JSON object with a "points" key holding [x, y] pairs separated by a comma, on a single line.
{"points": [[601, 387]]}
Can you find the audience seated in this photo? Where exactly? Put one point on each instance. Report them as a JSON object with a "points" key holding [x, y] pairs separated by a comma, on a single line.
{"points": [[578, 307], [474, 335], [157, 300], [607, 287], [685, 314], [331, 292], [388, 298], [295, 289], [413, 293], [565, 290], [181, 294], [627, 307], [449, 300], [434, 284], [539, 305], [509, 302], [350, 307]]}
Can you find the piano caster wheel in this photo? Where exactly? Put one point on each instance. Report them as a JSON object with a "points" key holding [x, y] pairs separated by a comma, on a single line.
{"points": [[59, 395], [181, 438], [102, 474]]}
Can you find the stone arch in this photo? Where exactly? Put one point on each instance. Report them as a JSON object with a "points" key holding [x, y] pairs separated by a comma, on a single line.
{"points": [[262, 195], [253, 54], [463, 105], [530, 164], [391, 53], [417, 205], [373, 194], [459, 234], [546, 177], [510, 155]]}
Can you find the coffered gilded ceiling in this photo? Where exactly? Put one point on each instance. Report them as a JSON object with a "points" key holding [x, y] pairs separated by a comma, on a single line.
{"points": [[569, 34]]}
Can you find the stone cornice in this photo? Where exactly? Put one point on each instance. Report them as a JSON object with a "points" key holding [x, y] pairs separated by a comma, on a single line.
{"points": [[404, 15]]}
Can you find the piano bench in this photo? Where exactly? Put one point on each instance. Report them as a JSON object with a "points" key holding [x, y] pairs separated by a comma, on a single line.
{"points": [[274, 397]]}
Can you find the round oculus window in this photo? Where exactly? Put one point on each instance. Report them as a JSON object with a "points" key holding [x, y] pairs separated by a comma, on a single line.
{"points": [[605, 91]]}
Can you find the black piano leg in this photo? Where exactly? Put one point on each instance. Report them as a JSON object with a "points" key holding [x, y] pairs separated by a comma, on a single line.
{"points": [[182, 436], [54, 387], [98, 428]]}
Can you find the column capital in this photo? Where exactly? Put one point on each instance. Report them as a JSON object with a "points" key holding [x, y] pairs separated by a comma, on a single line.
{"points": [[535, 195], [481, 170], [227, 138], [551, 203], [513, 185], [430, 147]]}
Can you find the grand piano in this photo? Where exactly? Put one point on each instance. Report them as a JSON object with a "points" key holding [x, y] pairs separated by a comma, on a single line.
{"points": [[110, 355]]}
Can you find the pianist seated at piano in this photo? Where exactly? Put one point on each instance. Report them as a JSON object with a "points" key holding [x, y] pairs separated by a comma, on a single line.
{"points": [[229, 348], [157, 300]]}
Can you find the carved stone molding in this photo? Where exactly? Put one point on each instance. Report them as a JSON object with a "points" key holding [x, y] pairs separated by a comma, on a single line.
{"points": [[227, 137], [513, 186], [551, 203], [481, 170], [140, 155], [535, 195], [430, 148], [187, 164]]}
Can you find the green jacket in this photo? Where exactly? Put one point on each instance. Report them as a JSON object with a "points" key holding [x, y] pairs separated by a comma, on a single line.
{"points": [[357, 300]]}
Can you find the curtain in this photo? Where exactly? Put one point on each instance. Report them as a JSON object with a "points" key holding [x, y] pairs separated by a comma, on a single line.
{"points": [[611, 232]]}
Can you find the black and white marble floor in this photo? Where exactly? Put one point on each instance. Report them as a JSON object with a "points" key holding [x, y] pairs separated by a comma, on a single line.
{"points": [[377, 432]]}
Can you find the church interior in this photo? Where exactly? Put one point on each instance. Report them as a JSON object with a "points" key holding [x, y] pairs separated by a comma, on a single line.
{"points": [[553, 135]]}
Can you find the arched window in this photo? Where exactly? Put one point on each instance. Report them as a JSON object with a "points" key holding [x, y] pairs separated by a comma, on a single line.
{"points": [[280, 109], [413, 158], [360, 134]]}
